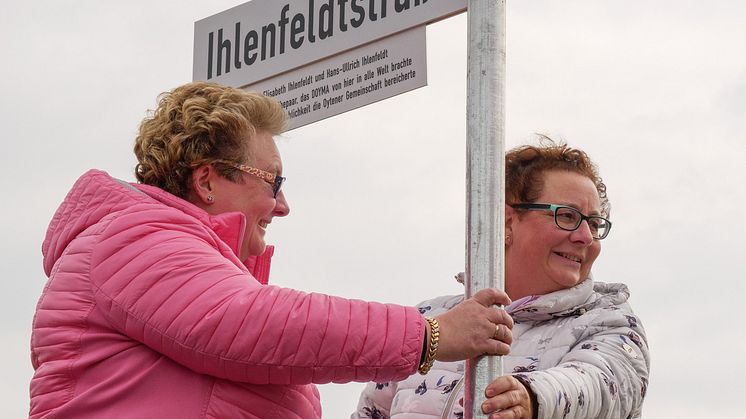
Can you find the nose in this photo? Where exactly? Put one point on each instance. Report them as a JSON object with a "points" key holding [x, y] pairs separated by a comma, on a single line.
{"points": [[281, 205], [582, 234]]}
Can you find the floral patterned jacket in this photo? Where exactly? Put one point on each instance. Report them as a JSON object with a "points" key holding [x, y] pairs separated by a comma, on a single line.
{"points": [[582, 350]]}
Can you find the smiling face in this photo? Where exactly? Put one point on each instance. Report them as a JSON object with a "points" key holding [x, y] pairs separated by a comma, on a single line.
{"points": [[252, 196], [541, 257]]}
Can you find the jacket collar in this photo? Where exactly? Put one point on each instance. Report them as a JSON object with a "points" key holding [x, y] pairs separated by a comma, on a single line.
{"points": [[569, 302], [229, 227]]}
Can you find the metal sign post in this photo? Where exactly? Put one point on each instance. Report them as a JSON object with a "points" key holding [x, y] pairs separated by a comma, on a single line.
{"points": [[485, 174]]}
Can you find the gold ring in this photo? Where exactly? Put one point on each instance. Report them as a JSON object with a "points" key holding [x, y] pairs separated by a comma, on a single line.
{"points": [[497, 332]]}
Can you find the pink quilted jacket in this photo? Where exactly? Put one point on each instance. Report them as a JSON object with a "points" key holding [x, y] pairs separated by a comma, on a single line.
{"points": [[148, 313]]}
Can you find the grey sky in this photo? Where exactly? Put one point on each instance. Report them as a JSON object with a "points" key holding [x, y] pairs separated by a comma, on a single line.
{"points": [[654, 91]]}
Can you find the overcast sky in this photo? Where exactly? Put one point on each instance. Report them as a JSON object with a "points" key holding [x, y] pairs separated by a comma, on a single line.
{"points": [[655, 92]]}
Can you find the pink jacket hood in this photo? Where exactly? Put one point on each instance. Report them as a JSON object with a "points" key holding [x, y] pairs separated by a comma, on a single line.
{"points": [[84, 206]]}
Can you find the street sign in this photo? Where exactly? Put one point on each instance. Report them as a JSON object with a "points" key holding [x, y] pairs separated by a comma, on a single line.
{"points": [[263, 38], [346, 81]]}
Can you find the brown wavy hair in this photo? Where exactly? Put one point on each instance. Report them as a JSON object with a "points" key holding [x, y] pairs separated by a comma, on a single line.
{"points": [[196, 124], [525, 165]]}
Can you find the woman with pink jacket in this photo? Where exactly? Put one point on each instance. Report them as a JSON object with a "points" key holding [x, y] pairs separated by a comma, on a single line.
{"points": [[157, 304]]}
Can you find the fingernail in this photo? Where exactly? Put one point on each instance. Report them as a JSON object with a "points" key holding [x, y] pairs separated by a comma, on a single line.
{"points": [[489, 392]]}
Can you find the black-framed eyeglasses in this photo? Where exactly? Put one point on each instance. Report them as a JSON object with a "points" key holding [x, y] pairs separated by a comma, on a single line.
{"points": [[272, 179], [569, 218]]}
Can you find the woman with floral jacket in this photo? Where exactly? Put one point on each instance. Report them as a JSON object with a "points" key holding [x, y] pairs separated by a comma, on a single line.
{"points": [[578, 350]]}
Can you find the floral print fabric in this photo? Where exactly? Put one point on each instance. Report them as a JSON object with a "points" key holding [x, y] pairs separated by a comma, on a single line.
{"points": [[582, 350]]}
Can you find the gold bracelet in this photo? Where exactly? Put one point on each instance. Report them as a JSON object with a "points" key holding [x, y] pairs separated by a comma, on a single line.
{"points": [[432, 347]]}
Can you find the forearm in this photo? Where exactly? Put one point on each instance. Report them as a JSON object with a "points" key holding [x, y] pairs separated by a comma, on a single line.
{"points": [[576, 389], [212, 317]]}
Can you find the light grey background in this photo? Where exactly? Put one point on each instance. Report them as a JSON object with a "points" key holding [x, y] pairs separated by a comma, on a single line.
{"points": [[654, 91]]}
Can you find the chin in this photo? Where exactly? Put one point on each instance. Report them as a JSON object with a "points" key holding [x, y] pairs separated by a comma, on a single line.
{"points": [[256, 249], [568, 282]]}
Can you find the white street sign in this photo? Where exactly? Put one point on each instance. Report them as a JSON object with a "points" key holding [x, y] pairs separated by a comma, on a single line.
{"points": [[264, 38], [355, 78]]}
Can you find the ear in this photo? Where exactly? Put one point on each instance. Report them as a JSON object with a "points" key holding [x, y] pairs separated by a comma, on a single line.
{"points": [[511, 216], [201, 184]]}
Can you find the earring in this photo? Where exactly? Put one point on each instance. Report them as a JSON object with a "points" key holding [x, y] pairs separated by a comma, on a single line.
{"points": [[508, 239], [210, 198]]}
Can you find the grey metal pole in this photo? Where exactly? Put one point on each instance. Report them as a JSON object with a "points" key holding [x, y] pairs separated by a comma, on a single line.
{"points": [[485, 179]]}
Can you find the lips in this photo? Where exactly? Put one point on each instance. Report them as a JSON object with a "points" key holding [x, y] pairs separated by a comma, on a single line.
{"points": [[263, 223], [576, 259]]}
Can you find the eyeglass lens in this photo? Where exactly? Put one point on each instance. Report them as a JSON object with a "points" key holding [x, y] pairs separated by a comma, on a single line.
{"points": [[570, 219], [277, 185]]}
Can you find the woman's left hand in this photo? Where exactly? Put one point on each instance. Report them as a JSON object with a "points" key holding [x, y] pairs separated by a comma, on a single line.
{"points": [[508, 398]]}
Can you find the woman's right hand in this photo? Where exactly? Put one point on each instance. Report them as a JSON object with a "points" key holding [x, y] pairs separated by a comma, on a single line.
{"points": [[468, 329], [509, 398]]}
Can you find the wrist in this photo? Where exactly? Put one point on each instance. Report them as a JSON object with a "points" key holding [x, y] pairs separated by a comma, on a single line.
{"points": [[534, 404], [425, 343], [431, 349]]}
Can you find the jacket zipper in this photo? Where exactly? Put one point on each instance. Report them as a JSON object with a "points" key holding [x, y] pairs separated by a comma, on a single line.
{"points": [[452, 398]]}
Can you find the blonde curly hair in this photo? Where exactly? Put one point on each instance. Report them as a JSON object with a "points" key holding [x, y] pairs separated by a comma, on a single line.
{"points": [[199, 123], [525, 165]]}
